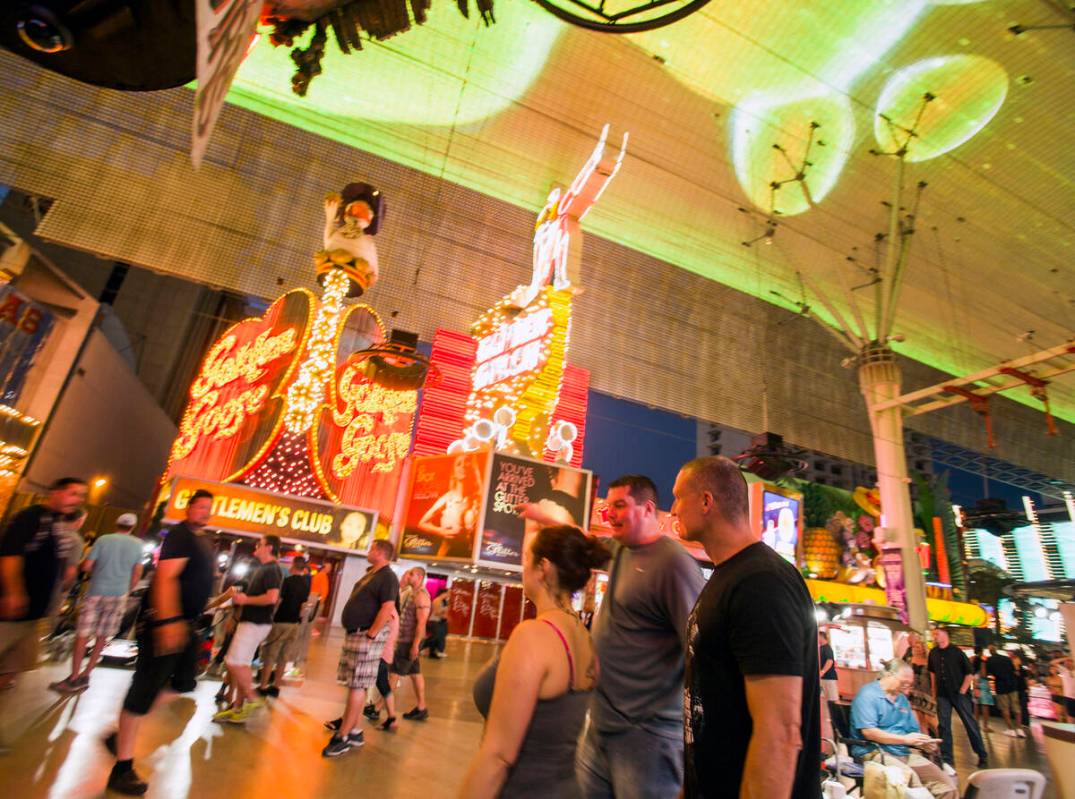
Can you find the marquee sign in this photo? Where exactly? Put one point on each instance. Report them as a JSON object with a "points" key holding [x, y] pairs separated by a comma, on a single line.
{"points": [[519, 364], [234, 413], [363, 432], [245, 510], [520, 394]]}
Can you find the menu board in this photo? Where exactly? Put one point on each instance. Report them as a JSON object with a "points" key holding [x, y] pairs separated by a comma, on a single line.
{"points": [[880, 639], [460, 606], [849, 646]]}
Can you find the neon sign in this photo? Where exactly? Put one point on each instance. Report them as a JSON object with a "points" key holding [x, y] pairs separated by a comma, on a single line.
{"points": [[519, 377], [512, 349], [218, 413], [369, 408], [231, 399]]}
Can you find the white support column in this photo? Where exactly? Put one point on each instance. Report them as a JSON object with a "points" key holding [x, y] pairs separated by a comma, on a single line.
{"points": [[879, 379]]}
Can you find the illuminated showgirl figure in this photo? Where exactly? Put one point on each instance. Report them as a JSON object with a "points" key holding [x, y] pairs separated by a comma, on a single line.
{"points": [[347, 267], [554, 259]]}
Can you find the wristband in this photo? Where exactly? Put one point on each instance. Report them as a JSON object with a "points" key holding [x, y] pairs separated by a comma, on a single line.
{"points": [[166, 622]]}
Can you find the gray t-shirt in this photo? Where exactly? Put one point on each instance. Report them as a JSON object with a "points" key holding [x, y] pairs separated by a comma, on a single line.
{"points": [[114, 557], [639, 636]]}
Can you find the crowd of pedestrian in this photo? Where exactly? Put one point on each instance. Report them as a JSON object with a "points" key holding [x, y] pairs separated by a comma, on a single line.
{"points": [[683, 687]]}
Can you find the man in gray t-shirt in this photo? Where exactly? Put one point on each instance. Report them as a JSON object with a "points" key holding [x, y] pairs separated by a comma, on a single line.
{"points": [[633, 745], [115, 567]]}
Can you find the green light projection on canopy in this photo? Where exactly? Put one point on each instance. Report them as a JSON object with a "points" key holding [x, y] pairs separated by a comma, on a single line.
{"points": [[779, 65], [449, 71], [731, 51], [783, 66], [757, 129], [969, 90]]}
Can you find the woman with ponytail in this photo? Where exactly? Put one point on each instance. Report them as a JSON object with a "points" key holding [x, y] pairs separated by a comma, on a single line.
{"points": [[535, 696]]}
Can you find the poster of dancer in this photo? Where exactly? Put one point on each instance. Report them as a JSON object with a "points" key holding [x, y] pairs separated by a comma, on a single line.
{"points": [[525, 495], [444, 508]]}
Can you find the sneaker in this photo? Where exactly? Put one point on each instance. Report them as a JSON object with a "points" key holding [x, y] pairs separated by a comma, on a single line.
{"points": [[339, 745], [371, 712], [1021, 733], [272, 691], [389, 724], [437, 655], [225, 715], [66, 685], [334, 725], [240, 715], [416, 714], [127, 783], [1011, 733], [262, 691]]}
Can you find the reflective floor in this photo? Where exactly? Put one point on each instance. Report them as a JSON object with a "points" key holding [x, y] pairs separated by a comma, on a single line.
{"points": [[54, 749]]}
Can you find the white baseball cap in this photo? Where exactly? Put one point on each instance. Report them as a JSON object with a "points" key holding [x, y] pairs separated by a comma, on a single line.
{"points": [[127, 520]]}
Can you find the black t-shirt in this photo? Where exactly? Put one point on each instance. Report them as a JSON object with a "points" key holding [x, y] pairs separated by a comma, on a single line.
{"points": [[32, 535], [950, 666], [293, 593], [754, 617], [1002, 670], [266, 577], [196, 579], [825, 656], [373, 590]]}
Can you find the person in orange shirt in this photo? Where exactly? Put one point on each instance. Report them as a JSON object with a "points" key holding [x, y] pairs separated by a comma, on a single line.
{"points": [[320, 583]]}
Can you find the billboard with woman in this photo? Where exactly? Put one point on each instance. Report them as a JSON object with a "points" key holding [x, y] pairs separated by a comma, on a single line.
{"points": [[444, 509]]}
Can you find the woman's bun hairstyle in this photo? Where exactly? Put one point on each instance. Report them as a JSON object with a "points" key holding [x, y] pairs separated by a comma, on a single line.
{"points": [[572, 552]]}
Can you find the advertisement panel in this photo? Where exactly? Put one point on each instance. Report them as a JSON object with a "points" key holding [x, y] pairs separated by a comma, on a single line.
{"points": [[487, 612], [240, 509], [512, 612], [460, 606], [24, 327], [444, 506], [523, 495], [780, 523]]}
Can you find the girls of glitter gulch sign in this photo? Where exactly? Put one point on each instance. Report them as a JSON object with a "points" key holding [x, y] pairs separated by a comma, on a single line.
{"points": [[525, 495]]}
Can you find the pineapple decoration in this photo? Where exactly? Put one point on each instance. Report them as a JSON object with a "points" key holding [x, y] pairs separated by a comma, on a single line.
{"points": [[822, 553]]}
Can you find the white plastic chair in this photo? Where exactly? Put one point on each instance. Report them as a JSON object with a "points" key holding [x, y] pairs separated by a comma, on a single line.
{"points": [[1005, 783]]}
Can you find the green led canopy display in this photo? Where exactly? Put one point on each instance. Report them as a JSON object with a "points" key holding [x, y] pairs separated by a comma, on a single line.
{"points": [[492, 109], [770, 143], [968, 92], [449, 71]]}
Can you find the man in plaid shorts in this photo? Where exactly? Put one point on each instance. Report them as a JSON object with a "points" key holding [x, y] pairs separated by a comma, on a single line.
{"points": [[365, 617], [115, 567]]}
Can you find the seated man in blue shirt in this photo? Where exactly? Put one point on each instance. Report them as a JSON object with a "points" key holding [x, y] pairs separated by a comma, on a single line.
{"points": [[882, 714]]}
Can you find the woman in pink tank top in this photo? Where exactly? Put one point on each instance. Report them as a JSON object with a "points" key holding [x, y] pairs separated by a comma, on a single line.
{"points": [[534, 697]]}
